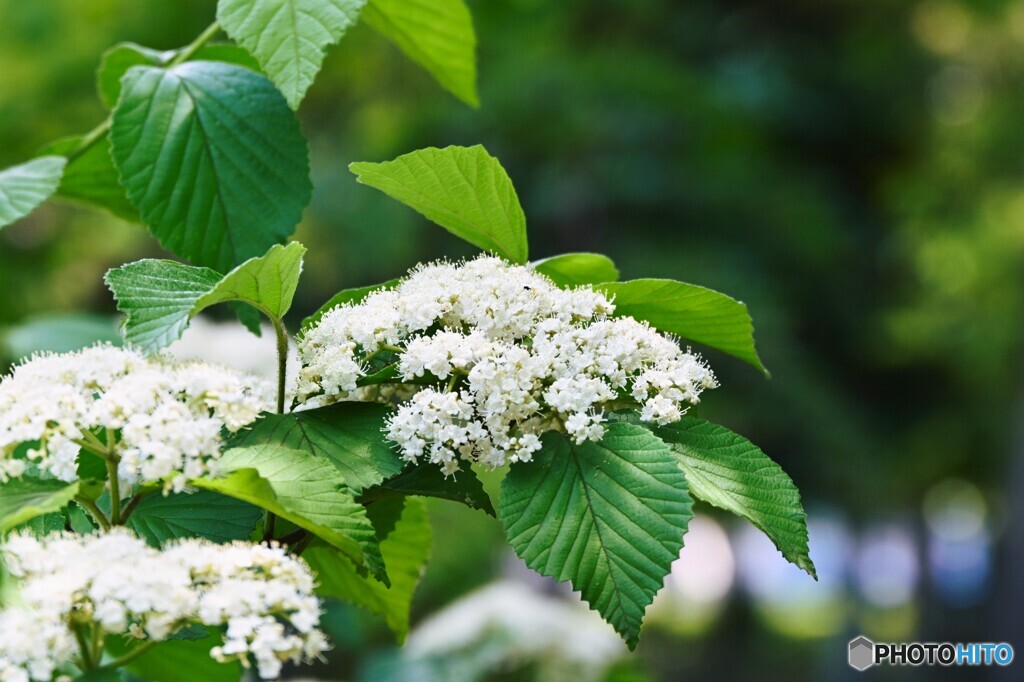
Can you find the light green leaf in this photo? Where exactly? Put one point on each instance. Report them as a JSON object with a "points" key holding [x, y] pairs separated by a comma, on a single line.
{"points": [[159, 297], [405, 538], [58, 333], [23, 499], [463, 189], [608, 516], [349, 435], [213, 159], [204, 514], [353, 296], [730, 472], [23, 188], [306, 490], [288, 37], [43, 525], [436, 34], [577, 269], [692, 312], [91, 178], [178, 660], [425, 479]]}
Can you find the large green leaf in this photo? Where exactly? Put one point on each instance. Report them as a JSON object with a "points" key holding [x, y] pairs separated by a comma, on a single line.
{"points": [[349, 435], [288, 37], [463, 189], [219, 518], [728, 471], [212, 158], [304, 489], [436, 34], [178, 660], [91, 178], [404, 534], [346, 296], [608, 516], [692, 312], [24, 187], [159, 297], [23, 499], [426, 480], [576, 269]]}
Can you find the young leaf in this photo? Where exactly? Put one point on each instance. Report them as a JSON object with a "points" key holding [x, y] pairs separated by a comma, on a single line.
{"points": [[159, 297], [92, 179], [304, 489], [23, 499], [24, 187], [348, 435], [405, 546], [346, 296], [436, 34], [695, 313], [608, 516], [730, 472], [212, 158], [426, 480], [463, 189], [577, 269], [288, 37], [205, 514]]}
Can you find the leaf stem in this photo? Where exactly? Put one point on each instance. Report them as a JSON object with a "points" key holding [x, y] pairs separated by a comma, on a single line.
{"points": [[129, 657], [94, 510], [132, 504], [83, 646], [282, 362], [90, 139], [115, 491], [197, 44]]}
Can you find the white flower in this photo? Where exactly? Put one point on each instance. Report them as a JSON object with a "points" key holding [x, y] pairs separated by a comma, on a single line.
{"points": [[117, 584], [506, 355], [169, 414]]}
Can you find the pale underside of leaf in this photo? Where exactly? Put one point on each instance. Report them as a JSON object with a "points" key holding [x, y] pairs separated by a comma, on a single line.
{"points": [[23, 188]]}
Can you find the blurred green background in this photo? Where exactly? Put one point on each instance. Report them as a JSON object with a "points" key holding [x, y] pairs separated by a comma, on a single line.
{"points": [[852, 170]]}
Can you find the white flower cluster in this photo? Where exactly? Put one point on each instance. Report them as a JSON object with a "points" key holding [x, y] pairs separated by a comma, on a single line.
{"points": [[169, 414], [116, 585], [506, 354]]}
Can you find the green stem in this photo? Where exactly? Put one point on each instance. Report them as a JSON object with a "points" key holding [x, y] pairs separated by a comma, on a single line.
{"points": [[128, 657], [282, 362], [300, 546], [83, 646], [133, 503], [197, 44], [96, 512], [115, 491], [90, 139]]}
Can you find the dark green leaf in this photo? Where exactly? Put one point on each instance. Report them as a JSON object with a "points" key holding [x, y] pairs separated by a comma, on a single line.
{"points": [[576, 269], [730, 472], [92, 179], [23, 499], [212, 158], [23, 188], [346, 296], [179, 660], [608, 516], [463, 189], [690, 311], [204, 514], [426, 479]]}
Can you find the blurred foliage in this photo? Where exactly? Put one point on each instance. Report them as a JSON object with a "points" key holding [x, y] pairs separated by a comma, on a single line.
{"points": [[853, 171]]}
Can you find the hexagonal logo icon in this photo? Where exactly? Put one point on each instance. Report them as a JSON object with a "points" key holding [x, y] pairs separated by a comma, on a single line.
{"points": [[862, 653]]}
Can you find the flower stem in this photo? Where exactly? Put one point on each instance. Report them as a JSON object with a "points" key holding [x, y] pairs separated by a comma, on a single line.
{"points": [[132, 504], [83, 646], [96, 512], [129, 657], [115, 491]]}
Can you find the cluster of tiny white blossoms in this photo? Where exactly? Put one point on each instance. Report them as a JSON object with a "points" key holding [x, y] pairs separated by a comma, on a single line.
{"points": [[505, 355], [115, 585], [168, 414]]}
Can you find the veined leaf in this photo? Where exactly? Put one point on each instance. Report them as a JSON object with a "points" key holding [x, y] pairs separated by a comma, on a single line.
{"points": [[436, 34], [692, 312], [349, 435], [23, 188], [608, 516], [463, 189], [425, 479], [204, 514], [730, 472], [91, 178], [159, 297], [304, 489], [288, 37], [405, 538], [23, 499], [213, 159], [577, 269], [355, 295]]}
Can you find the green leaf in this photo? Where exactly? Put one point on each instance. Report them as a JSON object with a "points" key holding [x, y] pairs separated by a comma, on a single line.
{"points": [[608, 516], [577, 269], [463, 189], [91, 178], [692, 312], [103, 675], [212, 158], [349, 435], [346, 296], [23, 188], [728, 471], [306, 490], [288, 37], [159, 297], [404, 543], [44, 525], [178, 660], [59, 333], [23, 499], [219, 518], [426, 479], [436, 34]]}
